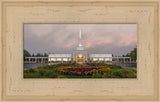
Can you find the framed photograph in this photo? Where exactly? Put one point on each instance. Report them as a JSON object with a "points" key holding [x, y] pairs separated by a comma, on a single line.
{"points": [[96, 51], [79, 50]]}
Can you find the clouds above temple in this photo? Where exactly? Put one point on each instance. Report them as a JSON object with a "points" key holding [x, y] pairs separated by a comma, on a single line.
{"points": [[117, 39]]}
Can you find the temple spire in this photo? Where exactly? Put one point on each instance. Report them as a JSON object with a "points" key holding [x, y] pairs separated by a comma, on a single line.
{"points": [[80, 37], [80, 47]]}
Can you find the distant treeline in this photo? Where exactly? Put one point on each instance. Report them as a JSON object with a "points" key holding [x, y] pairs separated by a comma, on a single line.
{"points": [[132, 54], [27, 54]]}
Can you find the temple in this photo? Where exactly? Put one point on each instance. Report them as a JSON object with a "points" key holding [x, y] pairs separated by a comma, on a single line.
{"points": [[79, 55]]}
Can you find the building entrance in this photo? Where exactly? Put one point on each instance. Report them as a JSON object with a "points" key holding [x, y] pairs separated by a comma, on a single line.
{"points": [[80, 58]]}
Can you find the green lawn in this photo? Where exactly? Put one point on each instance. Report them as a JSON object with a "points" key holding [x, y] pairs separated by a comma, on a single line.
{"points": [[88, 70]]}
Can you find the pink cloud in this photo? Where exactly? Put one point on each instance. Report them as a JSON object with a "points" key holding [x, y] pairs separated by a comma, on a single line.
{"points": [[126, 40], [69, 45], [107, 41], [89, 44], [98, 41]]}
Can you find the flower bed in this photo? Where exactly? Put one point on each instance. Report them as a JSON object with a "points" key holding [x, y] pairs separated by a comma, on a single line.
{"points": [[82, 70], [92, 70], [74, 70], [65, 64]]}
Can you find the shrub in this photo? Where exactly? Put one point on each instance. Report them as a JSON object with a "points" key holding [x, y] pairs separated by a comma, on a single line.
{"points": [[32, 75], [31, 70], [42, 71], [133, 69], [123, 73], [39, 67], [26, 71], [53, 75], [47, 73], [115, 66], [97, 75], [106, 75], [46, 67]]}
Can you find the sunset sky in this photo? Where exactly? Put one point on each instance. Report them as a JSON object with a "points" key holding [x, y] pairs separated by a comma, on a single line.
{"points": [[117, 39]]}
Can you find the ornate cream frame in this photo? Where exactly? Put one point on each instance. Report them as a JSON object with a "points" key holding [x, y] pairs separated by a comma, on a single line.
{"points": [[14, 13]]}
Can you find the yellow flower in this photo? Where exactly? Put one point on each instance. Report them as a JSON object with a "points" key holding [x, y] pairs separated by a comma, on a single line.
{"points": [[79, 73], [86, 73], [94, 70], [108, 70], [89, 72]]}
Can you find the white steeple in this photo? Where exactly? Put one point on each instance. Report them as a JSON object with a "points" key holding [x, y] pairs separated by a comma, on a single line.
{"points": [[80, 46], [80, 37]]}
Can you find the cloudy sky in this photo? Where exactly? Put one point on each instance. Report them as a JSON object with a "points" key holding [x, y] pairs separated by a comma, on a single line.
{"points": [[117, 39]]}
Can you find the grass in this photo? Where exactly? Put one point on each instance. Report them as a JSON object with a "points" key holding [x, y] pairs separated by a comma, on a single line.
{"points": [[59, 71]]}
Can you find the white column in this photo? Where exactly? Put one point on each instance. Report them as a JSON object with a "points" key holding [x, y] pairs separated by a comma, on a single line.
{"points": [[49, 60], [35, 60], [117, 59], [41, 60], [29, 60], [62, 60], [130, 59]]}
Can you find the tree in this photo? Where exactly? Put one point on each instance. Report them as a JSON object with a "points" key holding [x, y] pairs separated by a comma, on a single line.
{"points": [[33, 55], [128, 55], [133, 54], [26, 53], [45, 55], [39, 55]]}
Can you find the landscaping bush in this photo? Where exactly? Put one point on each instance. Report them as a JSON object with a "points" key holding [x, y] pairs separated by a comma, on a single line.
{"points": [[31, 70], [52, 75], [46, 67], [42, 71], [133, 69], [97, 75], [26, 71], [115, 66], [32, 75], [47, 73], [106, 75], [123, 73]]}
